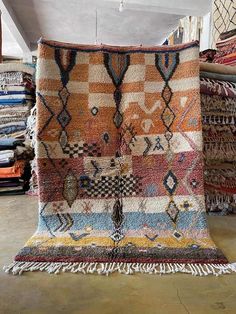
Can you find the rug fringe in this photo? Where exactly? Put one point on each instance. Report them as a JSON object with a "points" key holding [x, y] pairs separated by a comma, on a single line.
{"points": [[17, 268]]}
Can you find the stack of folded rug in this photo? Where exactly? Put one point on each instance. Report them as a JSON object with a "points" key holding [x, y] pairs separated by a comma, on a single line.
{"points": [[17, 97], [226, 47], [218, 98], [17, 93], [14, 173]]}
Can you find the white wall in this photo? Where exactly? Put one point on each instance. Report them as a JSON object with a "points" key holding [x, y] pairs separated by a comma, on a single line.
{"points": [[205, 37]]}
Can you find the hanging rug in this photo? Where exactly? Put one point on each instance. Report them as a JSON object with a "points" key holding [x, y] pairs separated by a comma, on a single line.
{"points": [[119, 156]]}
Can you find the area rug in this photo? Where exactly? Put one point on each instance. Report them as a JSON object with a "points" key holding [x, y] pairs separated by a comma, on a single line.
{"points": [[119, 155]]}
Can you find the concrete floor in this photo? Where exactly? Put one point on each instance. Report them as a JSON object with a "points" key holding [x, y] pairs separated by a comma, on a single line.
{"points": [[40, 293]]}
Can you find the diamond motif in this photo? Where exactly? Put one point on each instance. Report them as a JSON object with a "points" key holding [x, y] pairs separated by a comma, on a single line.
{"points": [[172, 210], [167, 94], [64, 118], [63, 139], [177, 235], [118, 119], [64, 94], [168, 117], [170, 182], [168, 135], [94, 111], [116, 236]]}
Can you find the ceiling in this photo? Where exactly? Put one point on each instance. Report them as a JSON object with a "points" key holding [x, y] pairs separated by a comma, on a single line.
{"points": [[146, 22]]}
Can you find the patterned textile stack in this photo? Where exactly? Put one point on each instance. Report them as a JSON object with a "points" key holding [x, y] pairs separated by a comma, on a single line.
{"points": [[17, 96], [218, 98], [226, 46]]}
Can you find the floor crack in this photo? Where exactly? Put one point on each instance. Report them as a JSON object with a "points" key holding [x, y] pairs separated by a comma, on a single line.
{"points": [[187, 311]]}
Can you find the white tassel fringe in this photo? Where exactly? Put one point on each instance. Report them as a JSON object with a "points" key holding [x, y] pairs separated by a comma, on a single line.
{"points": [[17, 268]]}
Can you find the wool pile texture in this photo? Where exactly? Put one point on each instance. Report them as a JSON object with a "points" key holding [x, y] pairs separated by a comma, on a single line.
{"points": [[119, 155], [218, 100]]}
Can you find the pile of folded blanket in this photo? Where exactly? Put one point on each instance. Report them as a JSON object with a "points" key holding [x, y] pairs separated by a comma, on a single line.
{"points": [[218, 98], [14, 171], [226, 48], [17, 97]]}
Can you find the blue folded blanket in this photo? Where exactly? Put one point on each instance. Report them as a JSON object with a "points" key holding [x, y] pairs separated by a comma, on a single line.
{"points": [[10, 143], [12, 129], [12, 101], [5, 93]]}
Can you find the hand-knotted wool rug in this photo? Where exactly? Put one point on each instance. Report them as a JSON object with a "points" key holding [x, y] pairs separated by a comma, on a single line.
{"points": [[119, 153]]}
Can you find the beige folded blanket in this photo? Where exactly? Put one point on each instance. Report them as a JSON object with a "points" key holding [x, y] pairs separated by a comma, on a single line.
{"points": [[217, 68]]}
